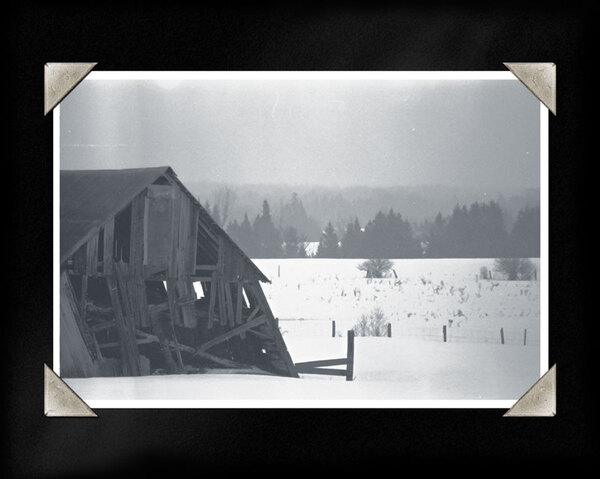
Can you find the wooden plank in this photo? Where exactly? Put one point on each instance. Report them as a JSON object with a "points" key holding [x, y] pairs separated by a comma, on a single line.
{"points": [[75, 355], [239, 297], [222, 307], [160, 336], [193, 240], [107, 260], [182, 237], [128, 354], [224, 362], [211, 302], [205, 229], [186, 299], [88, 338], [172, 264], [84, 291], [142, 302], [323, 362], [233, 332], [80, 260], [92, 256], [158, 225], [253, 313], [173, 308], [96, 328], [136, 245], [206, 267], [259, 296], [259, 334], [128, 312], [229, 303], [177, 348]]}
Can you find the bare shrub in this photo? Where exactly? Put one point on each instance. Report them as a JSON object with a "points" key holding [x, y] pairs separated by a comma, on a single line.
{"points": [[376, 267], [372, 324], [484, 273], [515, 268]]}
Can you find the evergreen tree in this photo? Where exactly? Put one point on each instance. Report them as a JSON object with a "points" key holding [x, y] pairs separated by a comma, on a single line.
{"points": [[293, 244], [525, 235], [267, 236], [352, 241], [247, 237], [293, 214], [328, 243]]}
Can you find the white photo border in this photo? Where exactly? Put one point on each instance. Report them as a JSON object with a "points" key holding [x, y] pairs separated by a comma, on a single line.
{"points": [[312, 75]]}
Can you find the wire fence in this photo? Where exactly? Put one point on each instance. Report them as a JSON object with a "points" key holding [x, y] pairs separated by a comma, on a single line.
{"points": [[509, 335]]}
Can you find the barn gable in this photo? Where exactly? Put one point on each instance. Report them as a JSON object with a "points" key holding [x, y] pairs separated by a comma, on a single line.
{"points": [[135, 248]]}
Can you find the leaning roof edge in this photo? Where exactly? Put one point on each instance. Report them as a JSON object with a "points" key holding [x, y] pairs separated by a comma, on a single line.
{"points": [[160, 170]]}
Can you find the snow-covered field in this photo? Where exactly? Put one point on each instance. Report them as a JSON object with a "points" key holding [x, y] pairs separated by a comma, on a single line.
{"points": [[415, 364], [427, 294]]}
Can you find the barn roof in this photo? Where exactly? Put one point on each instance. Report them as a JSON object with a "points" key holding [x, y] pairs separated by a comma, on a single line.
{"points": [[89, 198]]}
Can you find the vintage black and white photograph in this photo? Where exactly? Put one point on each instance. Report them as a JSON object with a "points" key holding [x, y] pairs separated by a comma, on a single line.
{"points": [[299, 239]]}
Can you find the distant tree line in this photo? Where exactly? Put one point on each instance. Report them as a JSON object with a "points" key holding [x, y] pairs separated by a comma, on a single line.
{"points": [[477, 231], [262, 239]]}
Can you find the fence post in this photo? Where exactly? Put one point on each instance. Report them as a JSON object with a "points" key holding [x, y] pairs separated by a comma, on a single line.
{"points": [[350, 356], [502, 335], [279, 271], [333, 329], [389, 330], [444, 332], [525, 337]]}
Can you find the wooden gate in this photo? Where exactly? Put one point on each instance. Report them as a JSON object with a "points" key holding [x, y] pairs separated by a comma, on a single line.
{"points": [[320, 366]]}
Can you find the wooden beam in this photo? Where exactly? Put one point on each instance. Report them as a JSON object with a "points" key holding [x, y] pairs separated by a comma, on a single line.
{"points": [[129, 355], [176, 344], [259, 296], [102, 326], [160, 336], [234, 332], [211, 303], [324, 362], [260, 334], [107, 260], [222, 361], [239, 296], [229, 303], [89, 339]]}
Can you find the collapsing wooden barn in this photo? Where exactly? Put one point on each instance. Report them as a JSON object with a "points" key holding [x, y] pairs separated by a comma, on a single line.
{"points": [[135, 247]]}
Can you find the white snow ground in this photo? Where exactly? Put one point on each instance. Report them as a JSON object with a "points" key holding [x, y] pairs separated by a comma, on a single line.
{"points": [[408, 366]]}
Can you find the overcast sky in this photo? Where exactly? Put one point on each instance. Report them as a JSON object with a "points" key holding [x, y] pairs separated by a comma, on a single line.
{"points": [[321, 132]]}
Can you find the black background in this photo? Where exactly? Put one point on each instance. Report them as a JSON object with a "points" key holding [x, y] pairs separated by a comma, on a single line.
{"points": [[174, 36]]}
